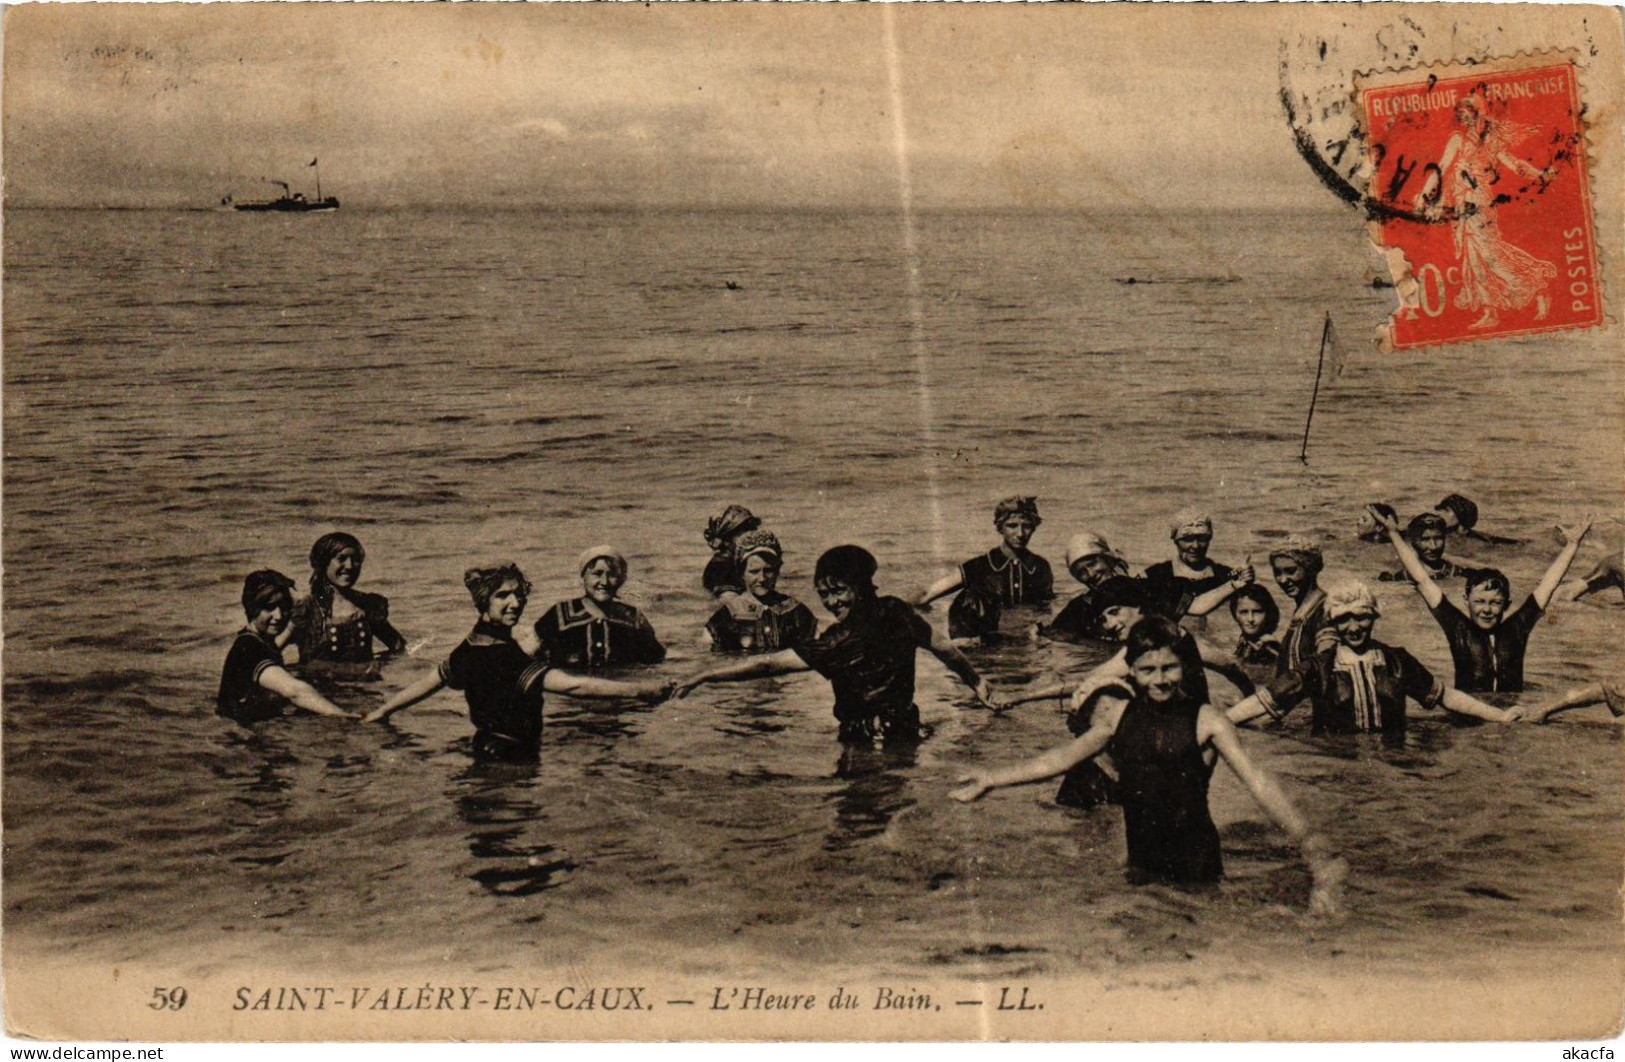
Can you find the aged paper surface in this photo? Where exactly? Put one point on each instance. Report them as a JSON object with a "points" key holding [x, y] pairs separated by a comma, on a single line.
{"points": [[1084, 252]]}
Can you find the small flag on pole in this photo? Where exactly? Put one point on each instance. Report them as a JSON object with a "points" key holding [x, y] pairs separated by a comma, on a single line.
{"points": [[1335, 355], [312, 163]]}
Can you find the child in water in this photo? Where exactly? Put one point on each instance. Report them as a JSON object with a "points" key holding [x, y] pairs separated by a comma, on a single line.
{"points": [[1162, 742], [1257, 616], [722, 531], [502, 684], [761, 619], [1486, 643], [1426, 533], [1007, 575], [254, 686], [337, 623], [867, 654]]}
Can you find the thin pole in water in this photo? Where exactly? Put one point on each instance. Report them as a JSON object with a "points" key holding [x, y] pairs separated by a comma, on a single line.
{"points": [[1325, 333]]}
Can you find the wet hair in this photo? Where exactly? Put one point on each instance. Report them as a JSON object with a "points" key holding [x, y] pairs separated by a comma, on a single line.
{"points": [[1424, 522], [331, 545], [483, 583], [1018, 505], [1465, 508], [1264, 600], [264, 588], [1119, 591], [1491, 577], [852, 565], [322, 553], [1149, 635]]}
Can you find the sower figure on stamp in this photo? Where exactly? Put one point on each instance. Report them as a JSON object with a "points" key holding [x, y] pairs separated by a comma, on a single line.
{"points": [[867, 654], [1472, 181], [1007, 575]]}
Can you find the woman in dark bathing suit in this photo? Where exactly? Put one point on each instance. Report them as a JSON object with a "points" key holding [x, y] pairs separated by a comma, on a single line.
{"points": [[254, 686], [867, 654], [1162, 742], [503, 684], [1005, 576], [337, 623]]}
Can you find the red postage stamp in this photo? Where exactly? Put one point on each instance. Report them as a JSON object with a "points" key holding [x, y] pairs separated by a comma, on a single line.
{"points": [[1479, 197]]}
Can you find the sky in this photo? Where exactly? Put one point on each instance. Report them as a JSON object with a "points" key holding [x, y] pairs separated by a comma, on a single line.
{"points": [[1051, 106]]}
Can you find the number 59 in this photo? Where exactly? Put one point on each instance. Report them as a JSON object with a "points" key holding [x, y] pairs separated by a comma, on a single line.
{"points": [[167, 999]]}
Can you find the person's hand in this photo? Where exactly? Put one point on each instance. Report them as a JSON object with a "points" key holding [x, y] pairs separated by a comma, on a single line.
{"points": [[1328, 873], [1382, 519], [971, 787], [656, 690], [1573, 536], [1515, 713], [1243, 575], [684, 688], [377, 716]]}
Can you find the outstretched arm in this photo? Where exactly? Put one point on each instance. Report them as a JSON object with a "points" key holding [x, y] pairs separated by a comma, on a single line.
{"points": [[1466, 704], [1048, 764], [1042, 693], [783, 662], [1324, 865], [300, 694], [1572, 537], [944, 649], [572, 685], [941, 588], [1407, 556], [407, 696]]}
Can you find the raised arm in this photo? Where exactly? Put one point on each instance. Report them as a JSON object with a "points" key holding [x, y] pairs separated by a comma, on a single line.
{"points": [[299, 693], [783, 662], [1209, 600], [1407, 556], [1046, 764], [407, 696], [1572, 537], [941, 588]]}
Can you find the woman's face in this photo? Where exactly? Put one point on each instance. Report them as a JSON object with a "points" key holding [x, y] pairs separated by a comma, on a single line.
{"points": [[272, 619], [1486, 604], [601, 580], [1430, 545], [761, 574], [1292, 577], [1193, 549], [506, 605], [1354, 629], [1017, 531], [1091, 571], [838, 597], [344, 570], [1158, 673], [1116, 621], [1250, 617]]}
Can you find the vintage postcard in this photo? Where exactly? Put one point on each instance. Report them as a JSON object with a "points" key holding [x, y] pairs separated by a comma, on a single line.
{"points": [[761, 522]]}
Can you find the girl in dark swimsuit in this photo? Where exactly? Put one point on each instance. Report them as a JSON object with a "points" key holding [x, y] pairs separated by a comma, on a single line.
{"points": [[1162, 742], [501, 682], [337, 623], [1005, 576]]}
